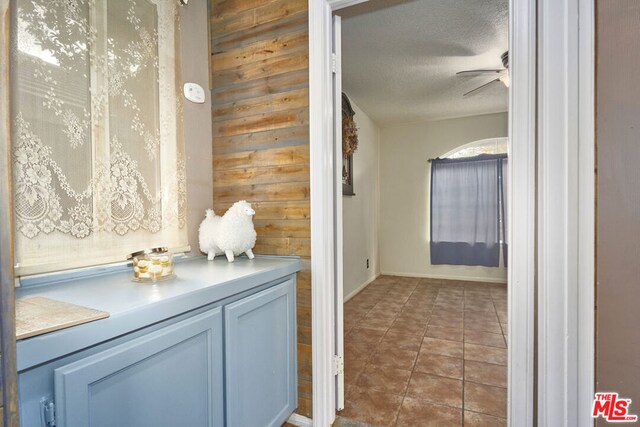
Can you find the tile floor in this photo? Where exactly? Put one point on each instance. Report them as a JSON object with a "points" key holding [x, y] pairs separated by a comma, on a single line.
{"points": [[423, 352]]}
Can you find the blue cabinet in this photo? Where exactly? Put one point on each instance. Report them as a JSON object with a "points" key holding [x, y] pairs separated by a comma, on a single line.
{"points": [[260, 354], [196, 352], [170, 377]]}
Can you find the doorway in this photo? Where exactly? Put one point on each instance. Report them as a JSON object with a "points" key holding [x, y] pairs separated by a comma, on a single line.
{"points": [[327, 351], [545, 99], [425, 314]]}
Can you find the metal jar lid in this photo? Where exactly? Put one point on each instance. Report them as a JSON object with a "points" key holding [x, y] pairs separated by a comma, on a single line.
{"points": [[160, 250]]}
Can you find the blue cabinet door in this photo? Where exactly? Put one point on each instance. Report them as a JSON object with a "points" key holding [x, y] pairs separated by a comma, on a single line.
{"points": [[260, 358], [170, 377]]}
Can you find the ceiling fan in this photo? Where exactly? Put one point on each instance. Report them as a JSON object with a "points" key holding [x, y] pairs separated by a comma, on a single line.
{"points": [[502, 74]]}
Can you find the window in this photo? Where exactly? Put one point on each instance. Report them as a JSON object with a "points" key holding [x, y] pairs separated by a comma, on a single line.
{"points": [[465, 210], [476, 148], [468, 199], [99, 167]]}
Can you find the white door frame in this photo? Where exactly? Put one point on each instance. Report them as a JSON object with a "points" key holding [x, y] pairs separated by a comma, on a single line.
{"points": [[322, 212], [338, 235], [586, 68], [566, 212], [521, 212], [565, 127]]}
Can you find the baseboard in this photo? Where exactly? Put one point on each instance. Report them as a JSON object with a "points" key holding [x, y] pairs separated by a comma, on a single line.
{"points": [[447, 277], [360, 288], [300, 420]]}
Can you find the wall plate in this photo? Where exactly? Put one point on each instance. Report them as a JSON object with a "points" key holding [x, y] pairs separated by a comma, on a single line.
{"points": [[194, 93]]}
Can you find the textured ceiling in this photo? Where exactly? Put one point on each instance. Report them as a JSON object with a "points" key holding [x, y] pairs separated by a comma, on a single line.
{"points": [[399, 58]]}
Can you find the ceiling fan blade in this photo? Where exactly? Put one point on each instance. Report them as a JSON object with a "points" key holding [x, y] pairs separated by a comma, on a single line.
{"points": [[481, 87], [468, 72]]}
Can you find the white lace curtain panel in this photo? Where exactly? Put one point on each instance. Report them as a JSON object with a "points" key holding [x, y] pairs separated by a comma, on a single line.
{"points": [[99, 167]]}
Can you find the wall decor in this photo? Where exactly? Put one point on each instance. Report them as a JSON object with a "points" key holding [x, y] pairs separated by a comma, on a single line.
{"points": [[349, 145], [347, 176], [230, 234]]}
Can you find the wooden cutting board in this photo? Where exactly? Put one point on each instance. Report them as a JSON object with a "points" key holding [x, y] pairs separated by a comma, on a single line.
{"points": [[39, 315]]}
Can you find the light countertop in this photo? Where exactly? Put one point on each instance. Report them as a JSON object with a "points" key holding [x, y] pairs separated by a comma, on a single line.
{"points": [[134, 305]]}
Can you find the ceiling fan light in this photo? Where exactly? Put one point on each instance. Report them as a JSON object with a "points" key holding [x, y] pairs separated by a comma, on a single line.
{"points": [[505, 79]]}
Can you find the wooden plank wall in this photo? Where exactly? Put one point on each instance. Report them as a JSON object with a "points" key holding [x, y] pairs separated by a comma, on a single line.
{"points": [[259, 67]]}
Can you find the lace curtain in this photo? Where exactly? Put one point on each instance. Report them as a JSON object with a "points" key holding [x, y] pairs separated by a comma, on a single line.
{"points": [[99, 167]]}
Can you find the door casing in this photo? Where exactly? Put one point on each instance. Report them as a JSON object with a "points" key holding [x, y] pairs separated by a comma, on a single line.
{"points": [[535, 123]]}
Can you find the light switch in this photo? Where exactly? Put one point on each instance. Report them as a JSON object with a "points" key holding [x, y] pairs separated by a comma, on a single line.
{"points": [[194, 93]]}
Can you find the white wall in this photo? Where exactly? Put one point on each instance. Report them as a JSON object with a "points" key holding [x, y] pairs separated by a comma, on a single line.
{"points": [[404, 193], [197, 117], [360, 212]]}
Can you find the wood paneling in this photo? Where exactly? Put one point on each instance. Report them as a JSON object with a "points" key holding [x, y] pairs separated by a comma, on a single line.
{"points": [[261, 140], [295, 99], [297, 155], [283, 228], [263, 69], [262, 193], [263, 175], [284, 246], [261, 122], [260, 115], [290, 24], [262, 13], [263, 86], [261, 50]]}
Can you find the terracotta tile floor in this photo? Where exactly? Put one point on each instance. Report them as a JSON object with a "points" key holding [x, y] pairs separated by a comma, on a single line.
{"points": [[423, 352]]}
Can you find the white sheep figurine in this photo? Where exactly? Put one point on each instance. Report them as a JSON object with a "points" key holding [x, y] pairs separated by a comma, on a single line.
{"points": [[231, 234]]}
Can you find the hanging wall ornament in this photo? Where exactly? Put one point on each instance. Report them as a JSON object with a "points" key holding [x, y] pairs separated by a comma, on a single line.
{"points": [[349, 129]]}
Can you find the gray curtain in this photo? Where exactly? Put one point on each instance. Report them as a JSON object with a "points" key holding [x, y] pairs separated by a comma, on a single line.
{"points": [[504, 190], [465, 227]]}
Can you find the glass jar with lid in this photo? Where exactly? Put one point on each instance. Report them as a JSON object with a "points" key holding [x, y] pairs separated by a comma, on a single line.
{"points": [[152, 265]]}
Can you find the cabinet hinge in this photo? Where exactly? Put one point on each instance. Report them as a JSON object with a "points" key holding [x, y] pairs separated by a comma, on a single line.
{"points": [[338, 365], [333, 63], [48, 412]]}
